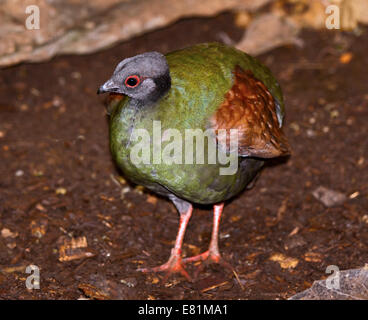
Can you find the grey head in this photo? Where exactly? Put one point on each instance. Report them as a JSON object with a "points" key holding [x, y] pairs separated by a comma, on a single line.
{"points": [[144, 78]]}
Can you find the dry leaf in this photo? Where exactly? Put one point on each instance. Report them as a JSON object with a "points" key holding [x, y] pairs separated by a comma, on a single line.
{"points": [[284, 261], [74, 248], [313, 257], [61, 191], [93, 292]]}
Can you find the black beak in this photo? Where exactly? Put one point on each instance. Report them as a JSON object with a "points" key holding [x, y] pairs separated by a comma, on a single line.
{"points": [[108, 86]]}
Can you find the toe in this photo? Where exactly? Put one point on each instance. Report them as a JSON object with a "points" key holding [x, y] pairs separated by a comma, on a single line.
{"points": [[174, 265]]}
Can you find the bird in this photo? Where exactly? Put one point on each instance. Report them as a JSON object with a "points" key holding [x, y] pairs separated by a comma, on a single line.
{"points": [[208, 86]]}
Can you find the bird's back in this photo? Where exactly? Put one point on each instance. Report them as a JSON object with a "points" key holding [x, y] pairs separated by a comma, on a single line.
{"points": [[202, 75]]}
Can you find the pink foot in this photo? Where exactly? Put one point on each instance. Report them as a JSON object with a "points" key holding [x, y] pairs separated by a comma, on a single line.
{"points": [[173, 265], [207, 258]]}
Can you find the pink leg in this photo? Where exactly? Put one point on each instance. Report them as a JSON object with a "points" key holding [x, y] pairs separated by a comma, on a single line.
{"points": [[174, 264], [212, 255]]}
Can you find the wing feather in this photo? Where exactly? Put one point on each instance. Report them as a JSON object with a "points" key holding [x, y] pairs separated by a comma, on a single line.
{"points": [[250, 108]]}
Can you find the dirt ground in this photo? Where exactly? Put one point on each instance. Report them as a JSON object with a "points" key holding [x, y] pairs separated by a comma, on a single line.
{"points": [[58, 182]]}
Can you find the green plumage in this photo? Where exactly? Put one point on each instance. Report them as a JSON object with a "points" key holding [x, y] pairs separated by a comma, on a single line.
{"points": [[200, 77]]}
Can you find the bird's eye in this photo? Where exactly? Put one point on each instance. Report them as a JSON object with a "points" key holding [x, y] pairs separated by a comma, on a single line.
{"points": [[132, 81]]}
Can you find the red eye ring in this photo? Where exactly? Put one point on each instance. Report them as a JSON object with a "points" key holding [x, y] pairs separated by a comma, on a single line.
{"points": [[132, 81]]}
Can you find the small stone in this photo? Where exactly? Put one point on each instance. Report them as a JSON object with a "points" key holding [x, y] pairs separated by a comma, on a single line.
{"points": [[295, 126], [334, 114], [6, 233], [365, 218], [325, 129], [354, 195], [312, 120], [76, 75], [56, 101], [311, 133], [125, 190], [19, 173], [35, 92], [40, 207], [24, 107], [61, 191], [129, 282], [328, 197]]}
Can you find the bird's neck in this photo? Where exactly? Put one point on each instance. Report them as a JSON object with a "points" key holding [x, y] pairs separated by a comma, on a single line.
{"points": [[138, 109], [163, 85]]}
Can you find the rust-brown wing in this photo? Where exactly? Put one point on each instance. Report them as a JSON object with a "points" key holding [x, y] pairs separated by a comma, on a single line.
{"points": [[250, 108]]}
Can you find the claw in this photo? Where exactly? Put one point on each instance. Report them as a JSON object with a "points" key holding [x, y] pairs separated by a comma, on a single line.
{"points": [[208, 257], [212, 255], [173, 265]]}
